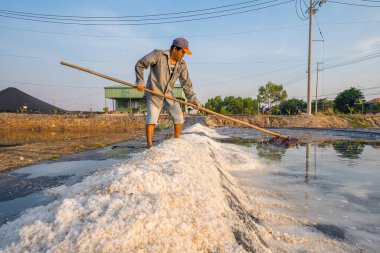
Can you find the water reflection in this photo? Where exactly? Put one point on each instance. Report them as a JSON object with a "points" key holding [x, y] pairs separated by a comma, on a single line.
{"points": [[352, 150], [341, 201], [307, 162], [349, 149], [264, 149], [269, 151]]}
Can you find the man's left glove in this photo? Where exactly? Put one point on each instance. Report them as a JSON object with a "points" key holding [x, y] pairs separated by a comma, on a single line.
{"points": [[140, 87], [196, 102]]}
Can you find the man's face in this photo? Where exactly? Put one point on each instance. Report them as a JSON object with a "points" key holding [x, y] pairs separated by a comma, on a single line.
{"points": [[178, 54]]}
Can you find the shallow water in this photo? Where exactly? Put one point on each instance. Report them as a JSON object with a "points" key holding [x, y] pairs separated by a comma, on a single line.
{"points": [[23, 188], [335, 185]]}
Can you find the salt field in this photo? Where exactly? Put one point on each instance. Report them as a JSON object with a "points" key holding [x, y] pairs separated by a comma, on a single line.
{"points": [[213, 190]]}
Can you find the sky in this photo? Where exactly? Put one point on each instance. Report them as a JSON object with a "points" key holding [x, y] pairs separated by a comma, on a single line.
{"points": [[238, 47]]}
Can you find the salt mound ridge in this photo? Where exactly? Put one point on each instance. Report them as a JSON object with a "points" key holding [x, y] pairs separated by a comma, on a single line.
{"points": [[198, 128], [175, 197]]}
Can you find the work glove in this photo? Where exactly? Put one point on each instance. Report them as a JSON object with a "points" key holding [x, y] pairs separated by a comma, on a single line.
{"points": [[196, 102], [140, 87]]}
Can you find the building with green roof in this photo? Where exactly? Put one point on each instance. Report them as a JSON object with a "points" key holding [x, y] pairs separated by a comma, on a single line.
{"points": [[126, 99]]}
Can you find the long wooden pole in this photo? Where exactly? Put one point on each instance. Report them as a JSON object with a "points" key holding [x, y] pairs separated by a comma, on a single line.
{"points": [[174, 99]]}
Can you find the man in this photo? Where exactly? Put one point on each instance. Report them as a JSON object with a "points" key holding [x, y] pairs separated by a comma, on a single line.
{"points": [[166, 66]]}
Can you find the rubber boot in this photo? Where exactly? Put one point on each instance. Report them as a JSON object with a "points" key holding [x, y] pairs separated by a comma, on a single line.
{"points": [[177, 130], [149, 129]]}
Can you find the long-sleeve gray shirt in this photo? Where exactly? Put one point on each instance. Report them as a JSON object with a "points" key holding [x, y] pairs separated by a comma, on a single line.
{"points": [[160, 79]]}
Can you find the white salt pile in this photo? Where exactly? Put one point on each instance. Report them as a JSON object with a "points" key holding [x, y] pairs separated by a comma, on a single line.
{"points": [[175, 197]]}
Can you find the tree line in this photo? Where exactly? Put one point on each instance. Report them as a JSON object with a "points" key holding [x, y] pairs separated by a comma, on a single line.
{"points": [[273, 99]]}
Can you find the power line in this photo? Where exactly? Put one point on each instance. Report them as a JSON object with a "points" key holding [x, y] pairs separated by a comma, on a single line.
{"points": [[357, 77], [352, 61], [250, 75], [118, 19], [319, 28], [44, 17], [333, 94], [354, 56], [50, 85], [368, 47], [124, 61], [155, 37], [76, 98], [130, 16], [353, 4], [152, 23], [301, 10], [296, 79], [188, 35]]}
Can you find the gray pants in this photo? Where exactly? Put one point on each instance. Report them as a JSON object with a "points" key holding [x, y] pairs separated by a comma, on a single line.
{"points": [[154, 111]]}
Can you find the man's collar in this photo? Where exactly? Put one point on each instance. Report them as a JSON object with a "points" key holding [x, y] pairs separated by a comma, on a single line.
{"points": [[167, 53]]}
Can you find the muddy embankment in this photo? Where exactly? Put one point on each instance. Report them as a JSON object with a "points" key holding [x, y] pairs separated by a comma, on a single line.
{"points": [[125, 123], [302, 121], [77, 122], [60, 135]]}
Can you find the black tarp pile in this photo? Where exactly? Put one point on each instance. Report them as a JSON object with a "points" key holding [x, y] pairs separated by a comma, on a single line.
{"points": [[14, 100]]}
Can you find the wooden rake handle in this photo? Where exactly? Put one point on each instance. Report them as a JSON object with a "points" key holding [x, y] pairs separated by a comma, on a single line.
{"points": [[174, 99]]}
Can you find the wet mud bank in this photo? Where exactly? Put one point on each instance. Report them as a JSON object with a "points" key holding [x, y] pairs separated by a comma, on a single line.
{"points": [[302, 121], [89, 122], [27, 139]]}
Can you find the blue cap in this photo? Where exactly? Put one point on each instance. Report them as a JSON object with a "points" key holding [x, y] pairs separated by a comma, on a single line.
{"points": [[182, 43]]}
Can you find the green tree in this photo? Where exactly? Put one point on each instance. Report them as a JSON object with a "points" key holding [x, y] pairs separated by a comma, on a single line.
{"points": [[223, 110], [374, 107], [292, 106], [271, 93], [232, 105], [324, 105], [348, 99], [214, 104], [275, 110], [249, 106]]}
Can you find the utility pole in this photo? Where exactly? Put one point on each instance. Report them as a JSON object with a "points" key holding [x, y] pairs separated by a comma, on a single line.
{"points": [[311, 10], [316, 90]]}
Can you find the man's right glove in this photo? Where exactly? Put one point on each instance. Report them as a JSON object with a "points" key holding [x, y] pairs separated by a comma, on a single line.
{"points": [[196, 102]]}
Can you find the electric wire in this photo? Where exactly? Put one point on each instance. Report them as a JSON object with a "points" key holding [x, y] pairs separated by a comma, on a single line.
{"points": [[367, 52], [156, 37], [134, 62], [319, 28], [354, 4], [188, 35], [109, 19], [301, 11], [51, 85], [151, 23], [133, 16]]}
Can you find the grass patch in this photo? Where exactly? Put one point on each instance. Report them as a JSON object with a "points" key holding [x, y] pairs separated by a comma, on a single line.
{"points": [[358, 121]]}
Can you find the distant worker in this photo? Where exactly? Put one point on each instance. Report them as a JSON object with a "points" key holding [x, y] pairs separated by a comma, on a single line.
{"points": [[165, 68]]}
